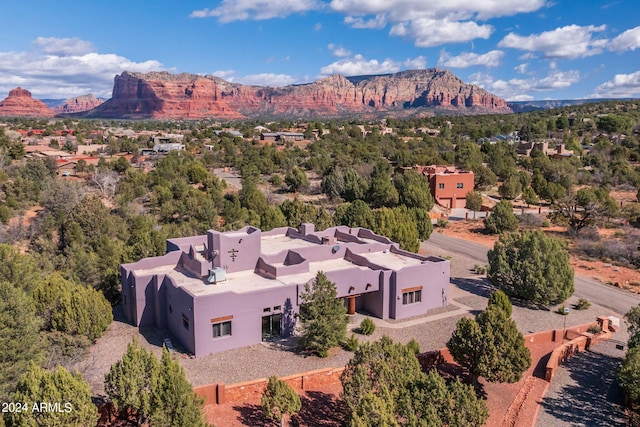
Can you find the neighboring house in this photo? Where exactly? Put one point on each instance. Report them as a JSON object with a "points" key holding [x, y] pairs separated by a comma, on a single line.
{"points": [[281, 137], [449, 185], [558, 150], [66, 168], [225, 290], [167, 147]]}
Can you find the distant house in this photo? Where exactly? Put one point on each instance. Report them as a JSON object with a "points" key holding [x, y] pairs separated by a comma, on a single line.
{"points": [[232, 132], [558, 150], [221, 291], [165, 148], [66, 168], [449, 185], [281, 137]]}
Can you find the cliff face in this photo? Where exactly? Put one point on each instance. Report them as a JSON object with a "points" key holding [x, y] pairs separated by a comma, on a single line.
{"points": [[20, 103], [78, 104], [188, 96]]}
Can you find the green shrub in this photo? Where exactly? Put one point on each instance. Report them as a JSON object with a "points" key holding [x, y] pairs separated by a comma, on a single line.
{"points": [[441, 223], [582, 304], [351, 343], [480, 269], [367, 326], [560, 310], [413, 346], [595, 329]]}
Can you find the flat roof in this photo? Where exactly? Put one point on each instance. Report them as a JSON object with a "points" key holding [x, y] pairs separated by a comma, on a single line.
{"points": [[240, 282], [325, 265], [390, 260], [273, 244]]}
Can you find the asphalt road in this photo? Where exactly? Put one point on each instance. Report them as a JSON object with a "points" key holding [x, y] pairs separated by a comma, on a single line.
{"points": [[606, 296]]}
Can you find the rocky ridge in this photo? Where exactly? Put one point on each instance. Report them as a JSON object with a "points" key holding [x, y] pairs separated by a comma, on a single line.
{"points": [[20, 103], [162, 95], [78, 104]]}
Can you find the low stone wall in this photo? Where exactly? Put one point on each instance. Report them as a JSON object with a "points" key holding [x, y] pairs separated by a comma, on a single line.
{"points": [[251, 391], [579, 340], [583, 341]]}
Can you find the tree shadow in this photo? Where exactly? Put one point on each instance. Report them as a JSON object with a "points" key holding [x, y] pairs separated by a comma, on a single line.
{"points": [[592, 396], [479, 286], [320, 409], [252, 415]]}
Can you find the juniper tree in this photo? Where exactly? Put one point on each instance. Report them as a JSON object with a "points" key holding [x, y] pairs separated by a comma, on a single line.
{"points": [[322, 316], [69, 391], [173, 402], [490, 347], [502, 219], [532, 266], [279, 400], [19, 337], [131, 380]]}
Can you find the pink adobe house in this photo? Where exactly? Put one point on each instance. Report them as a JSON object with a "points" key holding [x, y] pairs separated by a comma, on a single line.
{"points": [[449, 185], [225, 290]]}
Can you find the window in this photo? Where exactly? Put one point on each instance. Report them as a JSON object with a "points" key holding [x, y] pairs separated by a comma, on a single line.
{"points": [[460, 185], [411, 297], [221, 329], [277, 308], [266, 310], [185, 322], [441, 185]]}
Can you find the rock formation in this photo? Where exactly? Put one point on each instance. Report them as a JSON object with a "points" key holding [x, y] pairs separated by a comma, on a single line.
{"points": [[163, 95], [20, 103], [78, 104]]}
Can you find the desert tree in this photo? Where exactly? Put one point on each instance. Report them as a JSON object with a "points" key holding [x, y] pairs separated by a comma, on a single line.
{"points": [[173, 402], [383, 385], [502, 219], [583, 208], [490, 347], [323, 317], [629, 375], [69, 391], [501, 300], [279, 400], [19, 337], [532, 266], [473, 202], [131, 381]]}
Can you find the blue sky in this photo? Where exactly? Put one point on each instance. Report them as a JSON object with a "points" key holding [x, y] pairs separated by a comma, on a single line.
{"points": [[517, 49]]}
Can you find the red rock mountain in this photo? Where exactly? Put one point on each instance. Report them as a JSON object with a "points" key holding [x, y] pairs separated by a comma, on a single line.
{"points": [[20, 103], [187, 96], [78, 104]]}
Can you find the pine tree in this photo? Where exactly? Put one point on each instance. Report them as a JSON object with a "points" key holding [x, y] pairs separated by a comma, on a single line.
{"points": [[131, 381], [532, 266], [322, 316], [173, 402], [279, 400], [629, 375], [19, 337], [69, 391]]}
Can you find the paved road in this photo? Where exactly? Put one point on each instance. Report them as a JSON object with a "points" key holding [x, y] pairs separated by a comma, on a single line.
{"points": [[231, 177], [606, 296]]}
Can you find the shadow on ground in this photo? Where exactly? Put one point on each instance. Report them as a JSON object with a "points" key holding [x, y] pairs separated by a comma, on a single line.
{"points": [[592, 396], [318, 409]]}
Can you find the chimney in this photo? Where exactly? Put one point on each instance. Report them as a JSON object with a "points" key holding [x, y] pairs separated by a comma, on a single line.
{"points": [[307, 228]]}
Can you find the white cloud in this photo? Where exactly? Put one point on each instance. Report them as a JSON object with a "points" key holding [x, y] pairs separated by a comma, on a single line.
{"points": [[522, 68], [470, 59], [63, 68], [375, 23], [629, 40], [268, 79], [359, 65], [429, 32], [317, 27], [263, 79], [237, 10], [571, 41], [429, 23], [621, 86], [63, 47], [338, 50], [519, 89]]}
